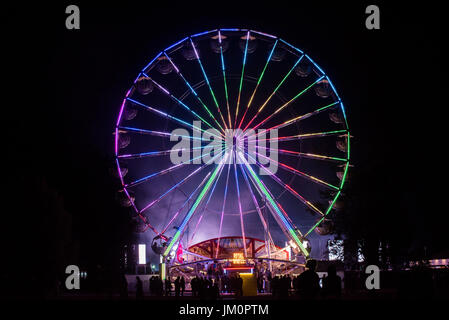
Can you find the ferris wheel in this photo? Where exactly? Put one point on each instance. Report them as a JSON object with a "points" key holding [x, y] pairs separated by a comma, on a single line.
{"points": [[232, 131]]}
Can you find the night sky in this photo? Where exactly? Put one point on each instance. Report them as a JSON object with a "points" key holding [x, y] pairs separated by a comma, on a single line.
{"points": [[64, 90]]}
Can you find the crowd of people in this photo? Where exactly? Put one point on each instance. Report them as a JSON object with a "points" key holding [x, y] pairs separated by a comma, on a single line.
{"points": [[306, 285]]}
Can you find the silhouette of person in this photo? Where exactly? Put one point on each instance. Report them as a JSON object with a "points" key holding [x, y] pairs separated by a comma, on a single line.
{"points": [[332, 283], [167, 286], [240, 285], [215, 291], [194, 285], [123, 286], [309, 282], [139, 288], [183, 285], [177, 286]]}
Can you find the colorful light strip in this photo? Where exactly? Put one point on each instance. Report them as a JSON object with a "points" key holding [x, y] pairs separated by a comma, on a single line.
{"points": [[304, 155], [343, 179], [186, 202], [150, 132], [208, 83], [162, 172], [305, 116], [152, 203], [223, 69], [256, 204], [193, 92], [222, 210], [241, 77], [149, 64], [242, 226], [164, 114], [289, 227], [205, 207], [258, 81], [307, 135], [287, 103], [300, 173], [202, 33], [193, 208], [175, 44], [273, 93], [153, 153], [288, 44], [288, 187], [178, 101], [296, 119]]}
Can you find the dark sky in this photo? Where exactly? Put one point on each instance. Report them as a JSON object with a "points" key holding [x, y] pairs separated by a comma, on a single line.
{"points": [[64, 88]]}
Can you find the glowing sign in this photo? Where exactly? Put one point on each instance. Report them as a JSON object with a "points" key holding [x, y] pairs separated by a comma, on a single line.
{"points": [[142, 254], [179, 254], [238, 258]]}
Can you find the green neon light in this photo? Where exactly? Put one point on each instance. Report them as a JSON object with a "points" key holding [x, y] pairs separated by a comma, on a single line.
{"points": [[318, 134], [297, 96], [280, 84], [277, 210], [193, 208], [241, 77], [328, 106], [261, 75], [343, 180]]}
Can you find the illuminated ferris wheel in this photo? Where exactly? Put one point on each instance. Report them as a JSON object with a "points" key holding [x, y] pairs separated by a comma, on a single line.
{"points": [[232, 131]]}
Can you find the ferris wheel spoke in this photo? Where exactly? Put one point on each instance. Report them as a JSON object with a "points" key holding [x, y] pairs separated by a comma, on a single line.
{"points": [[223, 69], [300, 173], [152, 203], [242, 226], [208, 83], [331, 205], [148, 225], [273, 93], [256, 204], [287, 103], [166, 115], [288, 187], [271, 195], [154, 153], [258, 82], [144, 131], [186, 202], [222, 210], [324, 217], [195, 205], [305, 155], [296, 119], [308, 135], [182, 104], [279, 214], [142, 217], [193, 91], [299, 118], [203, 210], [241, 81], [170, 169]]}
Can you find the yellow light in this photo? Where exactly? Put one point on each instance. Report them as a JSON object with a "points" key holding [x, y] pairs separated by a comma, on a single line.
{"points": [[238, 258]]}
